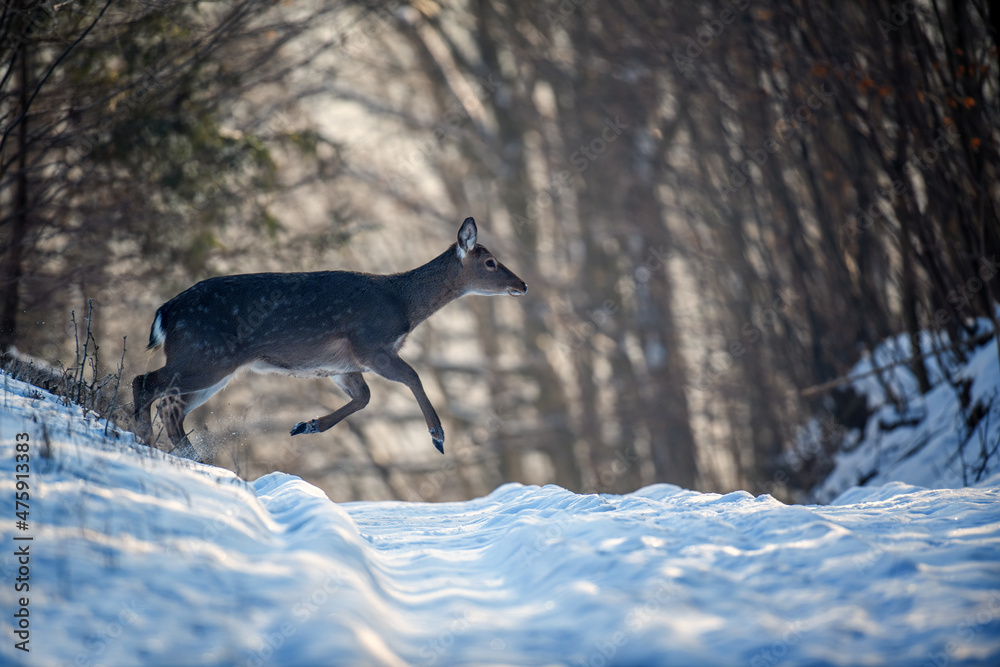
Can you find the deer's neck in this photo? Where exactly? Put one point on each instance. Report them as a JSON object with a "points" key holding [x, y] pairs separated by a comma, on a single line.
{"points": [[428, 288]]}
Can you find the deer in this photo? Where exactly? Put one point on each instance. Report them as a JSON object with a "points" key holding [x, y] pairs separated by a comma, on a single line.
{"points": [[336, 324]]}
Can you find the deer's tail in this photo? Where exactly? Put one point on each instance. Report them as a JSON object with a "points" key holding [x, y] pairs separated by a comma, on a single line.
{"points": [[156, 333]]}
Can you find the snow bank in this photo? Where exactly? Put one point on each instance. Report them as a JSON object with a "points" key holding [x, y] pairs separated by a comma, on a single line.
{"points": [[929, 441], [140, 558]]}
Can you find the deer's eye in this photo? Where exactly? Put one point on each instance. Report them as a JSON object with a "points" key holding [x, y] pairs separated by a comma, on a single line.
{"points": [[491, 263]]}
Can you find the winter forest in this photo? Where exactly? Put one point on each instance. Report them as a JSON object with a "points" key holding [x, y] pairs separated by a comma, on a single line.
{"points": [[745, 409], [721, 208]]}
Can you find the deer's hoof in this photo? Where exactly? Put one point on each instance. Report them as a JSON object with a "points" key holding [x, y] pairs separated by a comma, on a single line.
{"points": [[311, 426], [437, 435]]}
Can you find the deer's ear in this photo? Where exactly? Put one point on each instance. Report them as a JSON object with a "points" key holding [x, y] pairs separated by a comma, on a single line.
{"points": [[467, 237]]}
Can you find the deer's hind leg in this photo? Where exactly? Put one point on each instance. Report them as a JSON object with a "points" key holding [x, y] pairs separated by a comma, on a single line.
{"points": [[180, 393], [145, 390], [355, 386], [172, 409]]}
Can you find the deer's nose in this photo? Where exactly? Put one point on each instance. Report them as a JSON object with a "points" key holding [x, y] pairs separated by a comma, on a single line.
{"points": [[518, 291]]}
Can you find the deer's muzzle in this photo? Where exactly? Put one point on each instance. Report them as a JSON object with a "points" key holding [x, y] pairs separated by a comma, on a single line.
{"points": [[518, 291]]}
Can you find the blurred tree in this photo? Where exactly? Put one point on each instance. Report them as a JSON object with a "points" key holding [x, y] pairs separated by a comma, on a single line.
{"points": [[123, 149], [716, 204], [723, 203]]}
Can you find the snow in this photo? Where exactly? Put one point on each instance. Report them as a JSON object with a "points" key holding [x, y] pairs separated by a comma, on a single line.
{"points": [[141, 558], [928, 442]]}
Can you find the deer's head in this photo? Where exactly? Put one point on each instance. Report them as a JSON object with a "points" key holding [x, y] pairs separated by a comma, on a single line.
{"points": [[481, 272]]}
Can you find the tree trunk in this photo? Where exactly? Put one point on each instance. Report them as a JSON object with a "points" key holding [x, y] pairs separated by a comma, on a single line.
{"points": [[12, 269]]}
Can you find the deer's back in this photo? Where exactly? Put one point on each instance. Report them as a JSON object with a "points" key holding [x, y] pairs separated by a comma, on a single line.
{"points": [[300, 323]]}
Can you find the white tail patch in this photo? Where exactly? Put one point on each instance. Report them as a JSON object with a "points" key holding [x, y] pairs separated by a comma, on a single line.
{"points": [[156, 334]]}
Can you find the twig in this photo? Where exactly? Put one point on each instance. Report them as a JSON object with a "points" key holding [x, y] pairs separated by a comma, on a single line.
{"points": [[76, 340], [118, 379], [24, 111], [833, 384], [83, 362], [985, 430]]}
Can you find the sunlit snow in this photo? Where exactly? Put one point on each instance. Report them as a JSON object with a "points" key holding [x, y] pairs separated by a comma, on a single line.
{"points": [[923, 439], [140, 558]]}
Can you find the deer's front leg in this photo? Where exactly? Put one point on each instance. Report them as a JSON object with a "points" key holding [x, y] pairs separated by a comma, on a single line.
{"points": [[356, 388], [390, 366]]}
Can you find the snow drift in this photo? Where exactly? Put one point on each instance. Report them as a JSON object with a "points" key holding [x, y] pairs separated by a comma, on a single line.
{"points": [[138, 557], [946, 438]]}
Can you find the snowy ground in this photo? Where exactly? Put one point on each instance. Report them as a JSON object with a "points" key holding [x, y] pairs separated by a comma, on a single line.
{"points": [[139, 558], [929, 440]]}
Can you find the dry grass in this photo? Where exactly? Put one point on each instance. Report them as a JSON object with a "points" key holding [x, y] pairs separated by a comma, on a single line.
{"points": [[80, 384]]}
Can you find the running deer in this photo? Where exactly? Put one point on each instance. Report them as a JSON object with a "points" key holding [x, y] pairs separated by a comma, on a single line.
{"points": [[336, 324]]}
